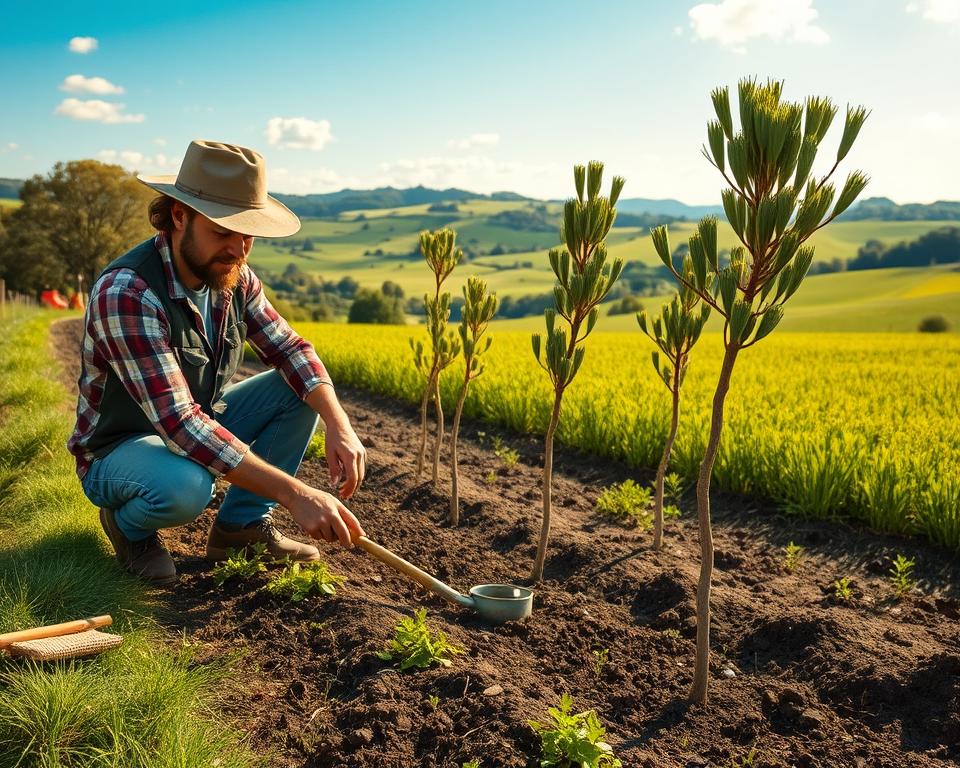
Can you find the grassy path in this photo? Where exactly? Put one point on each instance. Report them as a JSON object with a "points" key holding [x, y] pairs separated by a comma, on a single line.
{"points": [[144, 704]]}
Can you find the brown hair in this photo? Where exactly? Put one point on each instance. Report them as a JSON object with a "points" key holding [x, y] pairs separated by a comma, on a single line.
{"points": [[160, 213]]}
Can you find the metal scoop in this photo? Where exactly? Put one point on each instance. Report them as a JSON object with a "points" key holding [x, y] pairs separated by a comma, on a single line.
{"points": [[495, 603]]}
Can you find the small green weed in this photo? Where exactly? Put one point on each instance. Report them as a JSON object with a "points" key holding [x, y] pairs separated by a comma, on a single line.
{"points": [[841, 589], [318, 446], [414, 645], [472, 764], [507, 455], [241, 564], [793, 554], [901, 575], [600, 661], [673, 634], [491, 478], [627, 501], [746, 761], [298, 581], [672, 493], [434, 701], [574, 740]]}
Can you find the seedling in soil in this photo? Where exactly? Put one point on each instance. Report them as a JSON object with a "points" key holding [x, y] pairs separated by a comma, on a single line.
{"points": [[746, 761], [491, 477], [673, 634], [793, 554], [626, 501], [298, 581], [507, 455], [472, 764], [241, 564], [434, 701], [574, 739], [478, 310], [415, 645], [675, 331], [672, 492], [774, 204], [901, 576], [600, 661], [841, 589], [318, 446], [584, 280], [441, 256]]}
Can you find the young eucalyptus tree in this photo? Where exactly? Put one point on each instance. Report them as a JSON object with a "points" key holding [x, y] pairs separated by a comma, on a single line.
{"points": [[478, 310], [675, 330], [585, 278], [442, 256], [774, 205]]}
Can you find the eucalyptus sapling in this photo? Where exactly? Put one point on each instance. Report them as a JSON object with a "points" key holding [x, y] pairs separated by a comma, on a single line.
{"points": [[774, 204], [584, 280], [478, 310], [675, 331], [438, 248]]}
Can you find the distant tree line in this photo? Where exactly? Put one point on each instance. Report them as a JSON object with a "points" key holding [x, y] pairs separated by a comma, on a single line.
{"points": [[938, 246], [885, 209]]}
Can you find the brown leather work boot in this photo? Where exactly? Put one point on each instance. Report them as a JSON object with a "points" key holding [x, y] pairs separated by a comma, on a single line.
{"points": [[148, 559], [219, 540]]}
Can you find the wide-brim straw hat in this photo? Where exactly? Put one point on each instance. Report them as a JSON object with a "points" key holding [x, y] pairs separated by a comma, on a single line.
{"points": [[228, 185]]}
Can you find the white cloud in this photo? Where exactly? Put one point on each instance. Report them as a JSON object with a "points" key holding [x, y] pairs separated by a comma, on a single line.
{"points": [[305, 182], [160, 142], [138, 161], [733, 22], [95, 110], [474, 172], [298, 133], [9, 147], [475, 140], [939, 11], [934, 122], [97, 85], [83, 44]]}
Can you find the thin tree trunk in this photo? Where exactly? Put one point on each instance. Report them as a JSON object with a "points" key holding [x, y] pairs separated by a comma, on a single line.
{"points": [[439, 440], [427, 392], [537, 575], [455, 430], [698, 693], [662, 469]]}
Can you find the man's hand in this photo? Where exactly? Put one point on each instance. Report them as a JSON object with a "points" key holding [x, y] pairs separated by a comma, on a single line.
{"points": [[346, 457], [323, 516]]}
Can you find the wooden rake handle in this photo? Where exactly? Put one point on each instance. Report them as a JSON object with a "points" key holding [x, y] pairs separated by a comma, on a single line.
{"points": [[55, 630]]}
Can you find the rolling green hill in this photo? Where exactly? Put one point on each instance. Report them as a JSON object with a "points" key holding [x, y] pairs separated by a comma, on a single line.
{"points": [[373, 246]]}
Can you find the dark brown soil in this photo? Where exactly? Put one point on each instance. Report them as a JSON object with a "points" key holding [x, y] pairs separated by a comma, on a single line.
{"points": [[874, 682]]}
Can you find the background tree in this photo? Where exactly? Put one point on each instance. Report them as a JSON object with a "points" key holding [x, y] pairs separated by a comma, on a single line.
{"points": [[371, 306], [74, 221], [585, 278], [770, 159], [438, 248], [675, 330], [479, 307]]}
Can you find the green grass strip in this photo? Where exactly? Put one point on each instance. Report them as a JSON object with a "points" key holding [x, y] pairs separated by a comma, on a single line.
{"points": [[144, 704]]}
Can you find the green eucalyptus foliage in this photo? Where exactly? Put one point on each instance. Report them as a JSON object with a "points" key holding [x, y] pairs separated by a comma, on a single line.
{"points": [[774, 204], [584, 275]]}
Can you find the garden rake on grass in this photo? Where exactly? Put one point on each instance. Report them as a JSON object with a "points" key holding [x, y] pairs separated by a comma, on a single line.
{"points": [[61, 641]]}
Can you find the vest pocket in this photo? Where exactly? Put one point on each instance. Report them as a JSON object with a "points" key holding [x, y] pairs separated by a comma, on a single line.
{"points": [[194, 356]]}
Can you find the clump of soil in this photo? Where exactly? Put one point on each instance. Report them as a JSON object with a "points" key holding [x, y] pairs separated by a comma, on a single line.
{"points": [[799, 677]]}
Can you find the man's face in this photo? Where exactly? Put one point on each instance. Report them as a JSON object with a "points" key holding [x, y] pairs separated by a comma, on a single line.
{"points": [[212, 253]]}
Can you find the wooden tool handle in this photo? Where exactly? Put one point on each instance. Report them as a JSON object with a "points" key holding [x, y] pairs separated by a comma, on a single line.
{"points": [[55, 630], [422, 578]]}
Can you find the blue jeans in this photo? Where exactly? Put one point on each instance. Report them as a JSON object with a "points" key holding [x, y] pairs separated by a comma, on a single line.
{"points": [[151, 487]]}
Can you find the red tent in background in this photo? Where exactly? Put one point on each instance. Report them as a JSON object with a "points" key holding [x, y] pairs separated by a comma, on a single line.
{"points": [[53, 299]]}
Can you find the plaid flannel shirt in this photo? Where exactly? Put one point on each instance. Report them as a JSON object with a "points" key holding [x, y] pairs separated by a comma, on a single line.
{"points": [[126, 329]]}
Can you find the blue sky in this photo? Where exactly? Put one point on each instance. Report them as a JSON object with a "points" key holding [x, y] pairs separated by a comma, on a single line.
{"points": [[482, 95]]}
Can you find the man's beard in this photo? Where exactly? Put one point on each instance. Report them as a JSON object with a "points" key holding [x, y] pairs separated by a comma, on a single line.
{"points": [[217, 281]]}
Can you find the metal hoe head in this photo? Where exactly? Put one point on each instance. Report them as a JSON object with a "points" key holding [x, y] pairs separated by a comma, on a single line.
{"points": [[498, 603]]}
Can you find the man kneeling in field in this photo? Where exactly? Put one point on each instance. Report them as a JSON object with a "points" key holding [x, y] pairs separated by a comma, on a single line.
{"points": [[163, 335]]}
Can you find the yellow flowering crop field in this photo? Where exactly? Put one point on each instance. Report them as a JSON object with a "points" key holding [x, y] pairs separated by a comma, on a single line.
{"points": [[862, 426]]}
